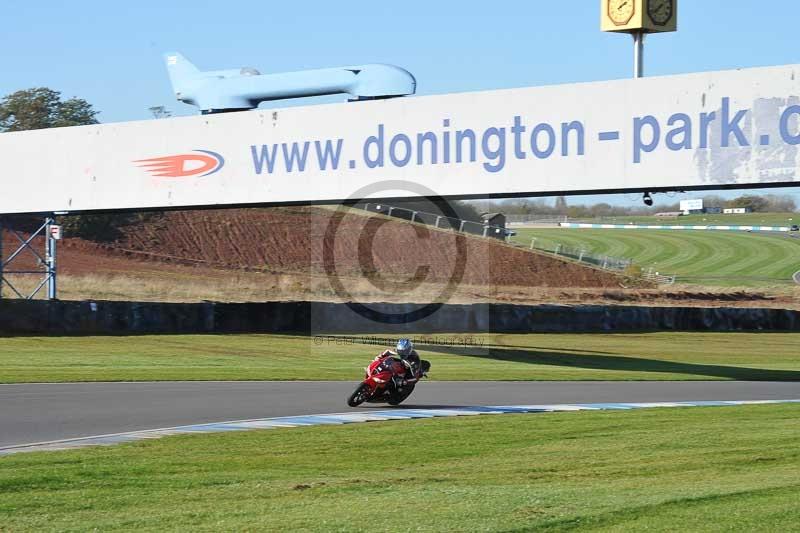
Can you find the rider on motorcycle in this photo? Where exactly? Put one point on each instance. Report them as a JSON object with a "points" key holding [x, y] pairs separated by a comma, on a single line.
{"points": [[391, 377], [410, 358]]}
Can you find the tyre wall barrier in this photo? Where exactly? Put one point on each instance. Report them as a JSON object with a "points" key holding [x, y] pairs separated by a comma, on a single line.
{"points": [[21, 317]]}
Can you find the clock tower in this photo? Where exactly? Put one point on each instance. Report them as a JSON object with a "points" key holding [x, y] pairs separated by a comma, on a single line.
{"points": [[639, 16]]}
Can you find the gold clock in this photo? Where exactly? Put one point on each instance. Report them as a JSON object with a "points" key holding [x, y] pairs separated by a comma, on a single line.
{"points": [[621, 11], [660, 11], [639, 16]]}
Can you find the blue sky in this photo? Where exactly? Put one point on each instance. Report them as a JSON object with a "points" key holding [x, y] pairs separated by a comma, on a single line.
{"points": [[110, 52]]}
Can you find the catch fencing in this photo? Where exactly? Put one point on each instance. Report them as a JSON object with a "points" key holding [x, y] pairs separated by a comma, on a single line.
{"points": [[656, 277], [606, 262], [536, 219], [581, 255], [438, 221]]}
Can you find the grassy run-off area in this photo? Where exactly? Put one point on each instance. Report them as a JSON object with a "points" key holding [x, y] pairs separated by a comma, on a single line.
{"points": [[629, 356], [678, 469], [722, 258]]}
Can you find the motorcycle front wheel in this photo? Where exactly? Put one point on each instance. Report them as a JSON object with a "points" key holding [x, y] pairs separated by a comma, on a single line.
{"points": [[359, 396]]}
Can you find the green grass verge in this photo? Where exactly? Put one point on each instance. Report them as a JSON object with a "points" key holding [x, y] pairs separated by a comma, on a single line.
{"points": [[709, 258], [641, 356], [690, 469]]}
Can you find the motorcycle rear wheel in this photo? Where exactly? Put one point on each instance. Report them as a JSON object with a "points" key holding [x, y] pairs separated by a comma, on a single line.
{"points": [[359, 396], [398, 397]]}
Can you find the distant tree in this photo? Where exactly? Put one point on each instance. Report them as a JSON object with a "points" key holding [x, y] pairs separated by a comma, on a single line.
{"points": [[780, 203], [665, 208], [577, 211], [101, 227], [601, 210], [755, 203], [541, 207], [40, 107], [466, 211], [561, 205], [713, 200]]}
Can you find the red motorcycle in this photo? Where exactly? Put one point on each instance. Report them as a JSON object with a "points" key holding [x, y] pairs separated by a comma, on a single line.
{"points": [[388, 381]]}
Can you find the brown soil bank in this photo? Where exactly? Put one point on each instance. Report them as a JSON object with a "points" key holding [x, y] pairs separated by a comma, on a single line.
{"points": [[318, 240], [276, 255]]}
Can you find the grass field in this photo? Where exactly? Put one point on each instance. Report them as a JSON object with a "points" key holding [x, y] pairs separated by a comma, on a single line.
{"points": [[641, 356], [749, 219], [690, 469], [710, 258]]}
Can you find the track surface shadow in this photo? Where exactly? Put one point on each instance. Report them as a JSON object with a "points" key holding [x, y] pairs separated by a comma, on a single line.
{"points": [[386, 407], [594, 360]]}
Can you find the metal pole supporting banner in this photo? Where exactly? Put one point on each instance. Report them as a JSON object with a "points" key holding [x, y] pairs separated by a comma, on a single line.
{"points": [[50, 259], [2, 259], [46, 263], [638, 54]]}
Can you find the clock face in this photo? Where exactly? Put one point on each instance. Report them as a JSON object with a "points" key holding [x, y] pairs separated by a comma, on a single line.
{"points": [[660, 11], [620, 11]]}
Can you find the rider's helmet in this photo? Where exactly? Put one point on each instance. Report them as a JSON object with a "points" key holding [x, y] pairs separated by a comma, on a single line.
{"points": [[404, 348]]}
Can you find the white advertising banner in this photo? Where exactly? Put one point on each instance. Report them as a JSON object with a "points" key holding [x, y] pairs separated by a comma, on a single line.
{"points": [[708, 130], [691, 205]]}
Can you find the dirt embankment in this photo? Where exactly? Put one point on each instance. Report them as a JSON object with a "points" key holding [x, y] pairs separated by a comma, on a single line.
{"points": [[277, 254], [295, 240]]}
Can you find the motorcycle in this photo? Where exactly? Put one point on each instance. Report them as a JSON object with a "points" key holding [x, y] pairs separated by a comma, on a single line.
{"points": [[386, 381]]}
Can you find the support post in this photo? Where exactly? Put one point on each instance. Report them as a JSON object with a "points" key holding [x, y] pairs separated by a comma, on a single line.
{"points": [[46, 269], [2, 257], [50, 258], [638, 54]]}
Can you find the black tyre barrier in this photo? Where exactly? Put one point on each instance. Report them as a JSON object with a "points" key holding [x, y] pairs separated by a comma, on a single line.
{"points": [[20, 317]]}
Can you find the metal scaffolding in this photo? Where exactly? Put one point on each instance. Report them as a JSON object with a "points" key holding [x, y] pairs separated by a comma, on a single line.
{"points": [[46, 263]]}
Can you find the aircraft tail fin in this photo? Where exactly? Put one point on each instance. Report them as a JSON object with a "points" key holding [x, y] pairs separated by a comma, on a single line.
{"points": [[180, 70]]}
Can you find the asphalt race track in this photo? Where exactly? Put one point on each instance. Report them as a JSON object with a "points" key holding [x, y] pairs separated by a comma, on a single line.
{"points": [[46, 412]]}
